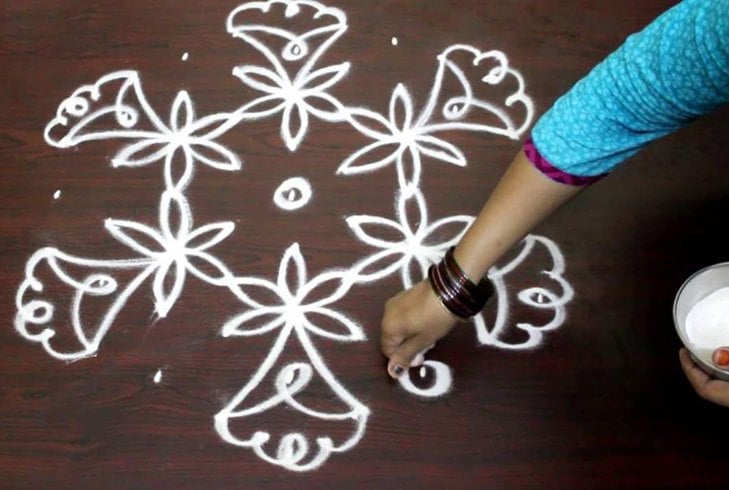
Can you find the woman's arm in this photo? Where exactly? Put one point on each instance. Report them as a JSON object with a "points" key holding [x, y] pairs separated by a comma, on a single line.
{"points": [[522, 199], [660, 79], [415, 319]]}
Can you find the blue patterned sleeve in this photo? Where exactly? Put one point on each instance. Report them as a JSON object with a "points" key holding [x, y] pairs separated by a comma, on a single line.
{"points": [[661, 78]]}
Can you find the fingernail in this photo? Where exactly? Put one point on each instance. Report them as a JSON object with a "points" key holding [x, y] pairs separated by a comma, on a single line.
{"points": [[721, 357], [398, 370]]}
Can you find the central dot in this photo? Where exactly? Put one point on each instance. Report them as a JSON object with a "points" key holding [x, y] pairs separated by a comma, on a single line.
{"points": [[293, 194]]}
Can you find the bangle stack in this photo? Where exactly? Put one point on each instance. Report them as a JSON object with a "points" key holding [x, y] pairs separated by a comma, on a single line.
{"points": [[455, 290]]}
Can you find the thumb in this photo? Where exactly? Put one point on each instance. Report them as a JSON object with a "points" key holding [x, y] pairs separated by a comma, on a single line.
{"points": [[403, 356], [721, 357]]}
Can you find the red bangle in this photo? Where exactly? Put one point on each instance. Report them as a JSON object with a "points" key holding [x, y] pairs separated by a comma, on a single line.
{"points": [[458, 293]]}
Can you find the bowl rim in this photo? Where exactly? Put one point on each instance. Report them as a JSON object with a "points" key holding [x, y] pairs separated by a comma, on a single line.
{"points": [[679, 330]]}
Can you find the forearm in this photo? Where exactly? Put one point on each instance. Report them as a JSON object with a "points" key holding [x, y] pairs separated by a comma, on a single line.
{"points": [[673, 71], [630, 99], [522, 199]]}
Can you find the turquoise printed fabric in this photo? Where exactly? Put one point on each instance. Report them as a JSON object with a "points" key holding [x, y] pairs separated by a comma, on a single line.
{"points": [[661, 78]]}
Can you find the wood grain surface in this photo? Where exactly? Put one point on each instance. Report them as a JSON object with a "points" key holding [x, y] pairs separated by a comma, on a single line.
{"points": [[602, 403]]}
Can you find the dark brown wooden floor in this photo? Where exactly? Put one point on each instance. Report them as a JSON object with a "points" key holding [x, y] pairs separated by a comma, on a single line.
{"points": [[601, 404]]}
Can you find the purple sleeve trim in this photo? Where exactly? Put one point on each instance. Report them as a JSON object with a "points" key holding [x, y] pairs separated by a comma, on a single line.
{"points": [[543, 165]]}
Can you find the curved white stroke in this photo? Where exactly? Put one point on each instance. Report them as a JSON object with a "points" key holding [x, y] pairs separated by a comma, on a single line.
{"points": [[96, 284], [305, 92], [556, 300], [291, 315], [334, 26], [81, 105], [287, 387], [457, 108], [417, 243], [293, 194], [441, 385], [296, 89]]}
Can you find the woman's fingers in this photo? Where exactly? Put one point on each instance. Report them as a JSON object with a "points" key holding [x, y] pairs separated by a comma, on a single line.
{"points": [[721, 357], [706, 387], [695, 375], [403, 357], [412, 322]]}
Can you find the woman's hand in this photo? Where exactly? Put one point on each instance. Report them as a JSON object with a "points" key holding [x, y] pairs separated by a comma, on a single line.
{"points": [[415, 319], [708, 388], [412, 323]]}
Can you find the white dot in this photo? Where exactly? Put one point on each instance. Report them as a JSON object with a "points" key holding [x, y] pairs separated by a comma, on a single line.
{"points": [[540, 299], [293, 194], [394, 41], [57, 194], [158, 376], [185, 56], [423, 372]]}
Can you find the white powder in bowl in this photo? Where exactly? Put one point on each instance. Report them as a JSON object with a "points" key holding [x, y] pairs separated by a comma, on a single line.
{"points": [[707, 324]]}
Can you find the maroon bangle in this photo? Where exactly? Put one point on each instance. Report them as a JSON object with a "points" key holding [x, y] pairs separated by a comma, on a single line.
{"points": [[458, 293], [447, 295], [481, 291]]}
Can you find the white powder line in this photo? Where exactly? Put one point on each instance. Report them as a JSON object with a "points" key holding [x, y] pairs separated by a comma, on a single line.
{"points": [[442, 380], [303, 94], [293, 194], [556, 301], [174, 250], [294, 318], [35, 311], [410, 136], [419, 242]]}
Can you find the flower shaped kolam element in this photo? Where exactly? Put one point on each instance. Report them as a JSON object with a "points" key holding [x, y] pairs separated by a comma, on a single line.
{"points": [[88, 279], [408, 139], [175, 250], [263, 23], [551, 297], [304, 93], [300, 305], [296, 98], [298, 300], [491, 99], [115, 107], [470, 110], [420, 243], [187, 137]]}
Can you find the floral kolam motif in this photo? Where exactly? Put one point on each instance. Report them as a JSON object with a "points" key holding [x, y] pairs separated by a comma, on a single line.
{"points": [[298, 308]]}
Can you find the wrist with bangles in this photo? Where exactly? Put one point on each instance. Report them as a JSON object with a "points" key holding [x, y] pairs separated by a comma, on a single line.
{"points": [[455, 290]]}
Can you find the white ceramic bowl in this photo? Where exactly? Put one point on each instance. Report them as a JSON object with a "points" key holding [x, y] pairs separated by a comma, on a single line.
{"points": [[694, 289]]}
